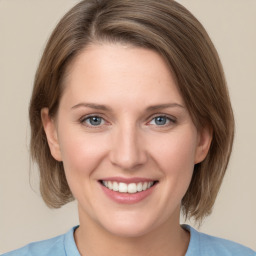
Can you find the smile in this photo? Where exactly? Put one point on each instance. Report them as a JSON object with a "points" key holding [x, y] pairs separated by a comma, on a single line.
{"points": [[130, 188]]}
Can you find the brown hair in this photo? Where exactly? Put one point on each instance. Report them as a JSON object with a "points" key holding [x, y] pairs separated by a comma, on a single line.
{"points": [[168, 28]]}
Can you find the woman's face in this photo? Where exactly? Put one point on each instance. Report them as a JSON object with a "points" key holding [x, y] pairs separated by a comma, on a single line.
{"points": [[126, 139]]}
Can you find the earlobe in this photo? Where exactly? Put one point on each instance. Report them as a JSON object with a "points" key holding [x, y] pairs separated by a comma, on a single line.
{"points": [[204, 143], [51, 134]]}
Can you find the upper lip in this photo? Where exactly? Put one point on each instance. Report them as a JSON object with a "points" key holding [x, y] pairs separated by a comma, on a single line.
{"points": [[128, 180]]}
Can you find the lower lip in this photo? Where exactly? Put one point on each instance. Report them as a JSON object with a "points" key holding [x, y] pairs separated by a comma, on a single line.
{"points": [[127, 198]]}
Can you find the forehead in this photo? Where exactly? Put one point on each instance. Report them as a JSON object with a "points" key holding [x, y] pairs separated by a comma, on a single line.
{"points": [[103, 71]]}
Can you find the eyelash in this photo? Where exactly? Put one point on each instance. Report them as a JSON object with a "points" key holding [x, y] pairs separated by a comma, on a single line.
{"points": [[170, 120], [87, 117]]}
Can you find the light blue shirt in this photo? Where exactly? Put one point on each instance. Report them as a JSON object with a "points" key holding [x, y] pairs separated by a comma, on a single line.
{"points": [[200, 245]]}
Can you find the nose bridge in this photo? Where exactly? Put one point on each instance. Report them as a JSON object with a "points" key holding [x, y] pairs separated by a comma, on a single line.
{"points": [[127, 151]]}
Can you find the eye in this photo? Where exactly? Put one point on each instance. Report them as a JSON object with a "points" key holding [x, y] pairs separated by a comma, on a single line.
{"points": [[161, 121], [93, 121]]}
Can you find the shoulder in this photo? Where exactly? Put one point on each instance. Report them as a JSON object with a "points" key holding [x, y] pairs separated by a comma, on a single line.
{"points": [[55, 246], [203, 244], [221, 246]]}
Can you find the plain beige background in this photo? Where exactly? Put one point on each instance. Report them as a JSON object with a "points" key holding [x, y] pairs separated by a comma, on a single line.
{"points": [[25, 26]]}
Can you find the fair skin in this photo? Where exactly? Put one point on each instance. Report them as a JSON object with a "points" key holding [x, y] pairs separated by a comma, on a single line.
{"points": [[122, 119]]}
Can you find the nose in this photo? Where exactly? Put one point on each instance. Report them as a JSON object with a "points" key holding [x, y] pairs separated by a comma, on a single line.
{"points": [[128, 151]]}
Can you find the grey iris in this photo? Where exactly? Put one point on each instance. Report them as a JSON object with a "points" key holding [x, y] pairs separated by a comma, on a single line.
{"points": [[160, 120], [95, 120]]}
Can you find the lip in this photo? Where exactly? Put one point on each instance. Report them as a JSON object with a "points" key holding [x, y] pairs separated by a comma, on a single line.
{"points": [[127, 198], [128, 180]]}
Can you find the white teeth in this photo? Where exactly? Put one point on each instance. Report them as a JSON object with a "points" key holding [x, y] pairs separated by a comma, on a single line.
{"points": [[123, 188], [139, 187], [115, 186], [110, 186], [150, 184], [130, 188], [145, 186]]}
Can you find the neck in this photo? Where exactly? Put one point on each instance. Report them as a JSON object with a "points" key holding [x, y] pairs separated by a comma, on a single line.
{"points": [[169, 239]]}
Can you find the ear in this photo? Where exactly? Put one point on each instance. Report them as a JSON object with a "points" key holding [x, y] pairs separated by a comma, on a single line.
{"points": [[51, 134], [204, 143]]}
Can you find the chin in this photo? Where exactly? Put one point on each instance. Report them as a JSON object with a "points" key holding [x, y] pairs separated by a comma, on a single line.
{"points": [[129, 227]]}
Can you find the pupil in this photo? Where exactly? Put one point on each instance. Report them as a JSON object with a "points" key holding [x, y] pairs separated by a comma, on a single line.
{"points": [[161, 120], [95, 120]]}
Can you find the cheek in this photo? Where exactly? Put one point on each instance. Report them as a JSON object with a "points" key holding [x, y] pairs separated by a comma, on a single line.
{"points": [[81, 153], [175, 159], [176, 153]]}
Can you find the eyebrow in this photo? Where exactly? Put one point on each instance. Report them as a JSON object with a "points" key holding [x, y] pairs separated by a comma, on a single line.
{"points": [[92, 105], [106, 108], [162, 106]]}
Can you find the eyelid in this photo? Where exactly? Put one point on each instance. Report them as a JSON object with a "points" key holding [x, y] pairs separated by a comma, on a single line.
{"points": [[169, 117], [85, 117], [82, 120]]}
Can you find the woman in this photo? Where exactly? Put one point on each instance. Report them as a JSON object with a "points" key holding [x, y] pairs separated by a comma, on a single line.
{"points": [[131, 116]]}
